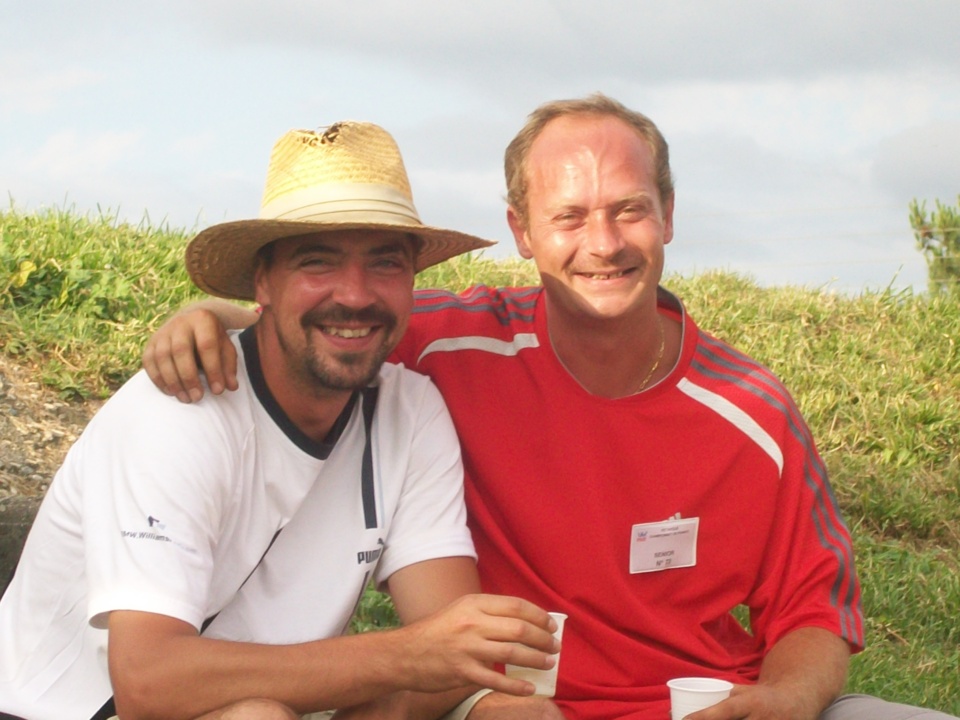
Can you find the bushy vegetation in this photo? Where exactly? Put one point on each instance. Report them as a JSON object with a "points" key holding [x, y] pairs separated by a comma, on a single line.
{"points": [[938, 238], [877, 377]]}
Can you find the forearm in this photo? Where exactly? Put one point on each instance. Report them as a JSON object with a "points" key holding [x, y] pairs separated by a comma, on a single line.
{"points": [[186, 676], [231, 315], [159, 667], [808, 668]]}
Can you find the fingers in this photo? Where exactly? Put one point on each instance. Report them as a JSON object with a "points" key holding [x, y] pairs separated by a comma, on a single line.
{"points": [[511, 607], [163, 364], [498, 682], [520, 622], [733, 708], [505, 631], [150, 364], [217, 355], [170, 356], [463, 643], [485, 674], [511, 630], [229, 360], [176, 358]]}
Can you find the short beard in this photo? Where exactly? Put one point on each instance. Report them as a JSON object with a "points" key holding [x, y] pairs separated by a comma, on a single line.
{"points": [[326, 373]]}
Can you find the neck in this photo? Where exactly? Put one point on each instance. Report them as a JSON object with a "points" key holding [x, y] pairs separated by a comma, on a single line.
{"points": [[312, 409], [313, 413], [617, 357]]}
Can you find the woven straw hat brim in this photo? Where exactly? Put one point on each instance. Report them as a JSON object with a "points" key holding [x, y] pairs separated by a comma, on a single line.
{"points": [[222, 259]]}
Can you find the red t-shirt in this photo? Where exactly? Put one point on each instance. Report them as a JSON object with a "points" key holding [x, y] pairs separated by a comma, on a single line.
{"points": [[557, 478]]}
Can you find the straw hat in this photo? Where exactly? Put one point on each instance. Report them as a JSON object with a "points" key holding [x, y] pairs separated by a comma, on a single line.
{"points": [[349, 177]]}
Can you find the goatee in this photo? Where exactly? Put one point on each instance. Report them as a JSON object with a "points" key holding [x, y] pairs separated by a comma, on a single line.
{"points": [[346, 371]]}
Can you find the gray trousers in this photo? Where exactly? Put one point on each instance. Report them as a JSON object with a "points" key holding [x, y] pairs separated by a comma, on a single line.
{"points": [[847, 707], [867, 707]]}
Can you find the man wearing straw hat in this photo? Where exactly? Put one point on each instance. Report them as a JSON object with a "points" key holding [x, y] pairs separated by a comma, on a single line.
{"points": [[681, 478], [206, 560]]}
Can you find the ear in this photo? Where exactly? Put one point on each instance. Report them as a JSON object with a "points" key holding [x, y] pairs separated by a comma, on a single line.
{"points": [[668, 221], [261, 288], [519, 231]]}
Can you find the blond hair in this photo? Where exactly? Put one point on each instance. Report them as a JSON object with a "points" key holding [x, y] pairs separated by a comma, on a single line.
{"points": [[515, 157]]}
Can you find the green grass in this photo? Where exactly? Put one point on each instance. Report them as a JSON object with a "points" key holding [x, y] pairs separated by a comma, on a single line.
{"points": [[877, 376], [78, 294]]}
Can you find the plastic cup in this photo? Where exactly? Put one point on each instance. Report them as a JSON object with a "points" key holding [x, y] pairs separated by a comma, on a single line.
{"points": [[687, 695], [545, 681]]}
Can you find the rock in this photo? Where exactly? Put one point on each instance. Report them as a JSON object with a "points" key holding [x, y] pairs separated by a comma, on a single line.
{"points": [[36, 429], [16, 517]]}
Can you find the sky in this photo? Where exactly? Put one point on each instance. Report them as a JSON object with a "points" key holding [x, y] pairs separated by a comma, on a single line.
{"points": [[798, 132]]}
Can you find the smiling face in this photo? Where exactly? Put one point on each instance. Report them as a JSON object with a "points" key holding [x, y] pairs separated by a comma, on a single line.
{"points": [[334, 305], [595, 222]]}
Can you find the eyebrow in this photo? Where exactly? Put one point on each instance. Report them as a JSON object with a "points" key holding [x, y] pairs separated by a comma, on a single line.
{"points": [[642, 199], [404, 247], [388, 247], [313, 247]]}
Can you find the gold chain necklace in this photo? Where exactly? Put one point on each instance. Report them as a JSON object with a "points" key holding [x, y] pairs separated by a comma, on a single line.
{"points": [[656, 363]]}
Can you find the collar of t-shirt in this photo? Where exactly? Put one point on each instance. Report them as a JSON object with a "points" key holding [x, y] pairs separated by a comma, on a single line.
{"points": [[319, 450]]}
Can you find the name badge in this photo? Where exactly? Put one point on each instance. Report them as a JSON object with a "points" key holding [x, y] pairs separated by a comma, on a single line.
{"points": [[663, 545]]}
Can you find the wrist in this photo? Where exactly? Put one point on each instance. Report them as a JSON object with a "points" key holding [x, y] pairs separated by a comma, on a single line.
{"points": [[462, 711], [798, 701], [403, 664]]}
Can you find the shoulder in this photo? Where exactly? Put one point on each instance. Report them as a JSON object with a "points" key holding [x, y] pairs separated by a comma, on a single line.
{"points": [[403, 391], [412, 419], [144, 448], [140, 421], [721, 367], [481, 312], [746, 393], [506, 303], [711, 366]]}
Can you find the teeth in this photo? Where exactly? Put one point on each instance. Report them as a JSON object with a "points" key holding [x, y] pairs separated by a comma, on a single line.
{"points": [[347, 332], [604, 276]]}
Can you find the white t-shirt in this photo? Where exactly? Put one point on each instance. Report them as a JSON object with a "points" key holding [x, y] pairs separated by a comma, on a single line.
{"points": [[168, 508]]}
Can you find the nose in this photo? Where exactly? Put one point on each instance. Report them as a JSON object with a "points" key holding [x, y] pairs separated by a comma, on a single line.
{"points": [[353, 286], [603, 236]]}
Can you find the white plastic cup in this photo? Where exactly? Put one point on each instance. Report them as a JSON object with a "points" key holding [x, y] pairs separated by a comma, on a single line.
{"points": [[545, 681], [687, 695]]}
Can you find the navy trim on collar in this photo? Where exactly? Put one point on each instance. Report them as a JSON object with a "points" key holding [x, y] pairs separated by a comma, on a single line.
{"points": [[319, 450]]}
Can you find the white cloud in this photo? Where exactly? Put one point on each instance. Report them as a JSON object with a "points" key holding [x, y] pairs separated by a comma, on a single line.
{"points": [[650, 42], [920, 162], [29, 90], [814, 119], [193, 145], [69, 156]]}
